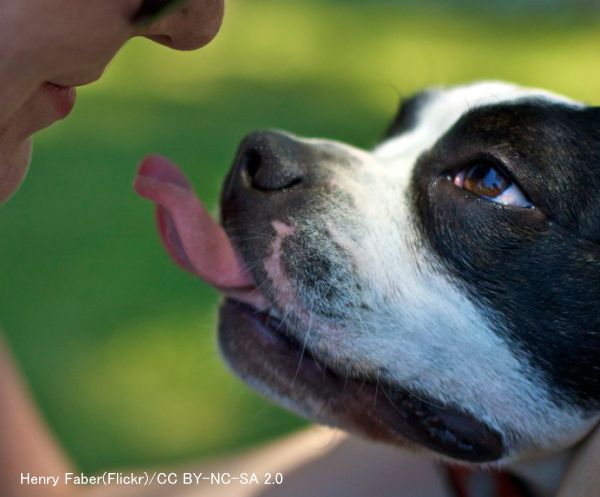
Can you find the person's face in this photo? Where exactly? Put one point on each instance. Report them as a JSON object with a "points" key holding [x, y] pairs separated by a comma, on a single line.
{"points": [[49, 47]]}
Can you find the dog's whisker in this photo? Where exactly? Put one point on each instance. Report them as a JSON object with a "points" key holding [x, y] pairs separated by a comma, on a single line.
{"points": [[346, 376], [306, 337], [285, 319]]}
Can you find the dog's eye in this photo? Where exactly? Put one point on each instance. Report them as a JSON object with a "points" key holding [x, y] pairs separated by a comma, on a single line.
{"points": [[489, 182]]}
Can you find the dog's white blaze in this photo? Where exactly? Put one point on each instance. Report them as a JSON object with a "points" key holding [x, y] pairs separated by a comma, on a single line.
{"points": [[422, 330]]}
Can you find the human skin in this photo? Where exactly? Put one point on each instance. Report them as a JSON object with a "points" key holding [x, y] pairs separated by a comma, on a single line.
{"points": [[583, 478], [69, 43], [26, 443]]}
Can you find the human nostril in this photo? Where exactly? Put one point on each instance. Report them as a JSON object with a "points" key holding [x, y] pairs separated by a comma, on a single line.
{"points": [[188, 26]]}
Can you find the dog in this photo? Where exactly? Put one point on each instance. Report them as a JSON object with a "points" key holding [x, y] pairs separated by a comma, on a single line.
{"points": [[440, 292]]}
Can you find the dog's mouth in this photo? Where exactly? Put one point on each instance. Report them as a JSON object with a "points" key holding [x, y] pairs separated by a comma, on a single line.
{"points": [[261, 349], [188, 232]]}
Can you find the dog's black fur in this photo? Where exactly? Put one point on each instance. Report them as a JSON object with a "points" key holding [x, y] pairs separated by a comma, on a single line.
{"points": [[539, 268]]}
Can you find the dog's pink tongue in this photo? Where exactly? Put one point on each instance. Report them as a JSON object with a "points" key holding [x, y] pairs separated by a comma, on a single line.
{"points": [[192, 238]]}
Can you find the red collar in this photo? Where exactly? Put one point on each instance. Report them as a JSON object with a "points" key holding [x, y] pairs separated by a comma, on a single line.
{"points": [[498, 483]]}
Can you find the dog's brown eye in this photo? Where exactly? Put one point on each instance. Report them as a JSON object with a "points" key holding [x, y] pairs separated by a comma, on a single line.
{"points": [[484, 180], [489, 182]]}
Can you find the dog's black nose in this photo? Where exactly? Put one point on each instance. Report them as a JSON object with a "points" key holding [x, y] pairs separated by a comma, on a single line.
{"points": [[270, 161], [276, 174]]}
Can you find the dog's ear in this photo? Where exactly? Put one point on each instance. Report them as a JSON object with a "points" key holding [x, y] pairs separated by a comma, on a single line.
{"points": [[407, 115]]}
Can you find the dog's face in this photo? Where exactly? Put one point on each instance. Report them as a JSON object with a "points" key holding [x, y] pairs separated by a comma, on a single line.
{"points": [[442, 290]]}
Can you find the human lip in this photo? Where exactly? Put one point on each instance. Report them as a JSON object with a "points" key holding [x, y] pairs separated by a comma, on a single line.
{"points": [[63, 97]]}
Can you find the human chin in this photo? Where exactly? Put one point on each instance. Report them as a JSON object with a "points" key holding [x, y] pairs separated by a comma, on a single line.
{"points": [[14, 164]]}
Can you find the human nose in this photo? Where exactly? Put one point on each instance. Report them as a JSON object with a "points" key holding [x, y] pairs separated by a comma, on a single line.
{"points": [[194, 24]]}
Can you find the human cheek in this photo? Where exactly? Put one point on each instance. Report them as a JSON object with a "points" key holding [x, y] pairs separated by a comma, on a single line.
{"points": [[81, 36]]}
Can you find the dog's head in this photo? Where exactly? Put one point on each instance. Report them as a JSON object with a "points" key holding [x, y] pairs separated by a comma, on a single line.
{"points": [[440, 291]]}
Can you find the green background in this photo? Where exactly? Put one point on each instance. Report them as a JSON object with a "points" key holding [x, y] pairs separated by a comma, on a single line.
{"points": [[118, 343]]}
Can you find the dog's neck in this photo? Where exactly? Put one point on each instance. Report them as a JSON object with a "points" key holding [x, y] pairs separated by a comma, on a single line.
{"points": [[543, 475]]}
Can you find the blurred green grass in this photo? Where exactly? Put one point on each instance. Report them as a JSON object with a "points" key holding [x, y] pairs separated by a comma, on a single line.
{"points": [[116, 341]]}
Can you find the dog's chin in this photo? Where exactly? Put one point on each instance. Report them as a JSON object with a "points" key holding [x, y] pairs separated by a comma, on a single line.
{"points": [[260, 349]]}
